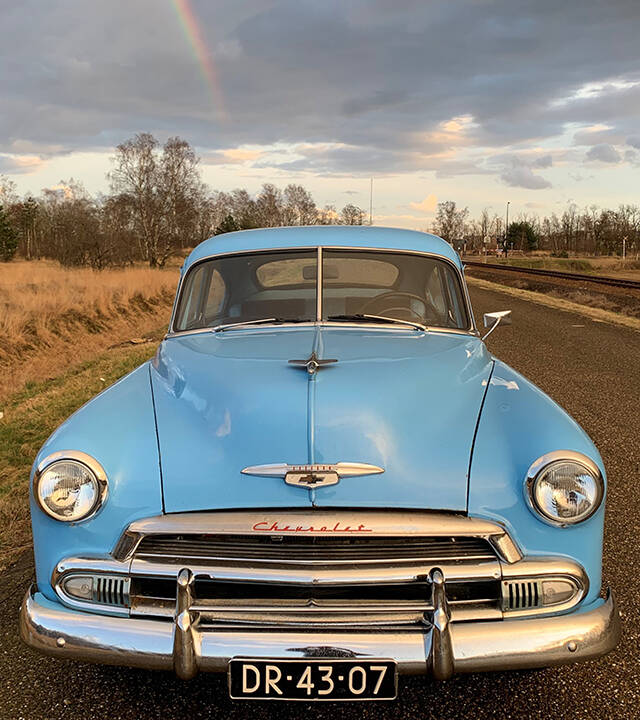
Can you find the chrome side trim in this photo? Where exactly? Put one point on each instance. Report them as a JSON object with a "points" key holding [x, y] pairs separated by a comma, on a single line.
{"points": [[476, 646]]}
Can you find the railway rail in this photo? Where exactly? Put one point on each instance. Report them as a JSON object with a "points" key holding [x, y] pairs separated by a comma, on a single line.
{"points": [[578, 277]]}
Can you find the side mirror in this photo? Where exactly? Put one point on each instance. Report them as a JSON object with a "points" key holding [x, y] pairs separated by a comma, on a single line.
{"points": [[492, 320]]}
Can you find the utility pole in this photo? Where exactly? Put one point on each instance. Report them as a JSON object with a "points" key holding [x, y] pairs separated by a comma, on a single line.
{"points": [[624, 247], [506, 227], [371, 203]]}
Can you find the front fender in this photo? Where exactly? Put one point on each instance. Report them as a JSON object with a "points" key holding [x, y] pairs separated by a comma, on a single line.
{"points": [[518, 424], [118, 429]]}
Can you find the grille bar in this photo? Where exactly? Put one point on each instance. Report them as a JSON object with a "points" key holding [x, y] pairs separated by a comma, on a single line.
{"points": [[309, 550]]}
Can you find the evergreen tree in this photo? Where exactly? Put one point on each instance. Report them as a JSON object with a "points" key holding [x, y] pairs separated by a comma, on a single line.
{"points": [[8, 237], [227, 225]]}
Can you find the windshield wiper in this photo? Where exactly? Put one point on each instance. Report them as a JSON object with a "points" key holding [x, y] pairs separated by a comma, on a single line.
{"points": [[260, 321], [363, 317]]}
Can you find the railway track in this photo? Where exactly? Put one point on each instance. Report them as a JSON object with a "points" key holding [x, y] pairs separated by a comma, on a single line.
{"points": [[612, 282]]}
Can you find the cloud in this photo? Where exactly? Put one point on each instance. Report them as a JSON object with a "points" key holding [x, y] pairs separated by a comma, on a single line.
{"points": [[546, 161], [428, 205], [523, 176], [518, 170], [604, 153], [367, 87], [634, 142], [18, 164], [232, 156]]}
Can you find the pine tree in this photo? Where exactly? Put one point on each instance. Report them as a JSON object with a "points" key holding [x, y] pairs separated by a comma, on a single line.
{"points": [[228, 224], [8, 237]]}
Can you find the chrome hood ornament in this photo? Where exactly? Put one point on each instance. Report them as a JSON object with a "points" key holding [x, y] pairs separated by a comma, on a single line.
{"points": [[313, 475], [312, 364]]}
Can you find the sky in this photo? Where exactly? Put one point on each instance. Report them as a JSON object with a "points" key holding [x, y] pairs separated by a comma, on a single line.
{"points": [[534, 102]]}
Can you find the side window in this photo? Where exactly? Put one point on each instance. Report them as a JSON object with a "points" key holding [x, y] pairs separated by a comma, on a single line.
{"points": [[202, 298], [215, 296], [456, 302], [434, 291], [190, 300]]}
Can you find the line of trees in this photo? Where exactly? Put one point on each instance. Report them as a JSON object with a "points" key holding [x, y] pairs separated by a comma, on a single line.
{"points": [[157, 205], [588, 231]]}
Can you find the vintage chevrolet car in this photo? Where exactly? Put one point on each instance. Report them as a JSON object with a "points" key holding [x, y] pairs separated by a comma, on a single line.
{"points": [[321, 480]]}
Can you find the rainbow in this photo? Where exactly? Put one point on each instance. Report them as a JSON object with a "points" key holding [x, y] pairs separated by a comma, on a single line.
{"points": [[191, 27]]}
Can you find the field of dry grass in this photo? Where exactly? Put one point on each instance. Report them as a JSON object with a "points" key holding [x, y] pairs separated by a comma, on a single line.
{"points": [[51, 317]]}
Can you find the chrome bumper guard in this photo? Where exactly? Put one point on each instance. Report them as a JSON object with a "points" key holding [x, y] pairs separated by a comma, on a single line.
{"points": [[441, 648]]}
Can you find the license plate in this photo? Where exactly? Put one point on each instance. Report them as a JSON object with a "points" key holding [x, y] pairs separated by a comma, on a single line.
{"points": [[317, 679]]}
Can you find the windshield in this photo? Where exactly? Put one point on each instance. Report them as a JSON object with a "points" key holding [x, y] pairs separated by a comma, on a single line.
{"points": [[282, 286]]}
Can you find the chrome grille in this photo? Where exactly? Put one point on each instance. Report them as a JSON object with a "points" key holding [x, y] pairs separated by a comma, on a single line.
{"points": [[315, 549]]}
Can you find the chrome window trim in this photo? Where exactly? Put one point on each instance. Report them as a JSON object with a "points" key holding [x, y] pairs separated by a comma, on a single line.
{"points": [[551, 458], [78, 457], [319, 281], [471, 328], [329, 323]]}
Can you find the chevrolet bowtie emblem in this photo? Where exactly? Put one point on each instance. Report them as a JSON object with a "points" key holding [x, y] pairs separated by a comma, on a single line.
{"points": [[315, 475], [312, 364]]}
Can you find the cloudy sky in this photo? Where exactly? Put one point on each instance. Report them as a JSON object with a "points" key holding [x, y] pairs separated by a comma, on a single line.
{"points": [[480, 101]]}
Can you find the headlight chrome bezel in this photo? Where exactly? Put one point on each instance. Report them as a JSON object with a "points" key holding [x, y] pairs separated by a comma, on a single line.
{"points": [[90, 463], [543, 463]]}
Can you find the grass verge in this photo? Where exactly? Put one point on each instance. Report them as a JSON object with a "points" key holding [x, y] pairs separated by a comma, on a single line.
{"points": [[51, 317], [594, 313], [31, 415]]}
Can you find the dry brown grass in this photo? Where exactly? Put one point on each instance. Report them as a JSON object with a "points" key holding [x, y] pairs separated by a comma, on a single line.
{"points": [[52, 316]]}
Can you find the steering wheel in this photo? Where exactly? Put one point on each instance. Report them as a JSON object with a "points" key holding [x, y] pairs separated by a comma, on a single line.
{"points": [[384, 305]]}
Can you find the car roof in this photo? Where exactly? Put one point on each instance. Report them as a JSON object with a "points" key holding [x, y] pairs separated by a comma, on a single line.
{"points": [[360, 236]]}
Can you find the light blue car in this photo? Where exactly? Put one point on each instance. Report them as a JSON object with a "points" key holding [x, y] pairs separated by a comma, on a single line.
{"points": [[322, 479]]}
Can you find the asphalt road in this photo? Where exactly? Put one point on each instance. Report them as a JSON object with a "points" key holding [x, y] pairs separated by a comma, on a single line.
{"points": [[593, 370]]}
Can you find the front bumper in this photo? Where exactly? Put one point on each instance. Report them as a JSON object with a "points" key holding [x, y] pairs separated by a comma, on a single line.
{"points": [[440, 648]]}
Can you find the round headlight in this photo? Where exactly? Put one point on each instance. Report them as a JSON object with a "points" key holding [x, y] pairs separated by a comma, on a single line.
{"points": [[70, 486], [564, 487]]}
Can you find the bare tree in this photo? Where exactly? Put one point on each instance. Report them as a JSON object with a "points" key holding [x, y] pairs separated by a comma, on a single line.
{"points": [[299, 207], [352, 215], [450, 221], [182, 194], [165, 192], [136, 175]]}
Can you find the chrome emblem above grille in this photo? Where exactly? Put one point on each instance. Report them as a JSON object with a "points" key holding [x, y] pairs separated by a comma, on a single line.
{"points": [[313, 475], [312, 364]]}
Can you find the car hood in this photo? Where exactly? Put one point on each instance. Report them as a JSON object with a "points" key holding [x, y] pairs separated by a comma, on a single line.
{"points": [[404, 400]]}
